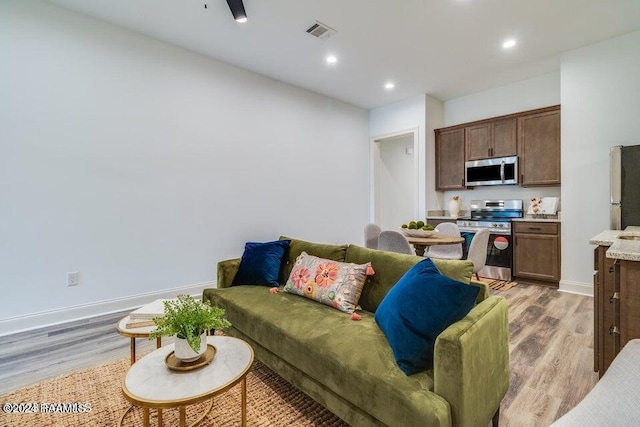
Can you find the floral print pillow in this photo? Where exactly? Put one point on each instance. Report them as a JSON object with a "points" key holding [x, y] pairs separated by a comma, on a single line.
{"points": [[337, 284]]}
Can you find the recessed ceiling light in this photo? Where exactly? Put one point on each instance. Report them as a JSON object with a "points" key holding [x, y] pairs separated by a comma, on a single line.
{"points": [[332, 59], [509, 43], [389, 85]]}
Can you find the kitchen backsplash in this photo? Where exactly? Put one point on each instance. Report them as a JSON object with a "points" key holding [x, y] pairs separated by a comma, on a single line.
{"points": [[494, 193]]}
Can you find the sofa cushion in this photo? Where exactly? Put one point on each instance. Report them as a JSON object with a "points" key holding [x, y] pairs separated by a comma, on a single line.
{"points": [[333, 283], [417, 309], [321, 250], [391, 266], [351, 358], [261, 263]]}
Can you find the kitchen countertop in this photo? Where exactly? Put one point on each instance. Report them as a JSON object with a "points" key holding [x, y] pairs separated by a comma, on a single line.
{"points": [[533, 219], [443, 217], [619, 248]]}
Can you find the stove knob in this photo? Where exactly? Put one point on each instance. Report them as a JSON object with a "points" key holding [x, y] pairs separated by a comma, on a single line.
{"points": [[495, 225]]}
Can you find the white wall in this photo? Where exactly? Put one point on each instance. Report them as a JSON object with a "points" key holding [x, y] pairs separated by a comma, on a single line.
{"points": [[600, 109], [140, 164], [434, 120], [538, 92], [396, 118]]}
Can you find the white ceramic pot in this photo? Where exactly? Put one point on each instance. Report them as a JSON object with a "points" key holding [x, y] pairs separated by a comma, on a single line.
{"points": [[454, 208], [184, 351]]}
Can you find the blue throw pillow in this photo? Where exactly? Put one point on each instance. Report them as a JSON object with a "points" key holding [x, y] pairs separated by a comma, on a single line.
{"points": [[260, 264], [417, 309]]}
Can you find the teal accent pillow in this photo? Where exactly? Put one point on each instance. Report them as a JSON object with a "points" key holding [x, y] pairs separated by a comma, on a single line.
{"points": [[417, 309], [260, 263]]}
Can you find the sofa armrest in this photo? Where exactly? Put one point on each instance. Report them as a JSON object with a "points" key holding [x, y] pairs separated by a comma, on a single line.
{"points": [[471, 363], [227, 270]]}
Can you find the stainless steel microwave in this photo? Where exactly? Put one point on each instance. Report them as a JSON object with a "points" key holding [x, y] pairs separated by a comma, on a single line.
{"points": [[498, 171]]}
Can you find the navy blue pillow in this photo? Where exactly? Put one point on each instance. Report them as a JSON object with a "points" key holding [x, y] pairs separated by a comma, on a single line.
{"points": [[417, 309], [260, 264]]}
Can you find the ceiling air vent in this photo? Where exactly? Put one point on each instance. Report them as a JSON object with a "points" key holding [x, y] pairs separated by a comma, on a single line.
{"points": [[321, 30]]}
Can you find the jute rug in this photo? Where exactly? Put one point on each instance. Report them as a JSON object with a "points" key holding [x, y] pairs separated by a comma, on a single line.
{"points": [[271, 401]]}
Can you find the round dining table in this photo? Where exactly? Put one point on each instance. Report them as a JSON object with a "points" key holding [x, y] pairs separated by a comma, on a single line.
{"points": [[420, 243]]}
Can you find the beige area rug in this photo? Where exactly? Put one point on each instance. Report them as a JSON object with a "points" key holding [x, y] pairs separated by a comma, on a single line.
{"points": [[499, 285], [271, 401]]}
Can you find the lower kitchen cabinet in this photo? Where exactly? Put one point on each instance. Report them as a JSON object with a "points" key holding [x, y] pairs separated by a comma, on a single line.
{"points": [[537, 252], [606, 310], [616, 306]]}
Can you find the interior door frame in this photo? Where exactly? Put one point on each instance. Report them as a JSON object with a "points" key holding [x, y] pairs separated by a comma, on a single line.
{"points": [[374, 167]]}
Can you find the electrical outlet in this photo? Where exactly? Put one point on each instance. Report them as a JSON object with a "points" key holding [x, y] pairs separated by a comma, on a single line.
{"points": [[73, 279]]}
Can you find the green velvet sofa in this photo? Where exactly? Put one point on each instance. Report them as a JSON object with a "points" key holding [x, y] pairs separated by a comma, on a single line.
{"points": [[348, 366]]}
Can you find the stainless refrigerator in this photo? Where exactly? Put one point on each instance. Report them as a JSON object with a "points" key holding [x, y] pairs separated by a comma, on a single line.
{"points": [[625, 186]]}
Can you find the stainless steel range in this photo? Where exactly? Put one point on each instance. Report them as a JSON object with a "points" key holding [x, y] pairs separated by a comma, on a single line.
{"points": [[496, 216]]}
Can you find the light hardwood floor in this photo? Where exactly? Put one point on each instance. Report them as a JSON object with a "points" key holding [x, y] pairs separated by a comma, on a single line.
{"points": [[550, 337]]}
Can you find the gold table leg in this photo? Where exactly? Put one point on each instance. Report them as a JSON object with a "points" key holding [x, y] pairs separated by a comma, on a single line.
{"points": [[159, 417], [244, 401], [132, 347], [183, 417], [158, 342], [145, 417]]}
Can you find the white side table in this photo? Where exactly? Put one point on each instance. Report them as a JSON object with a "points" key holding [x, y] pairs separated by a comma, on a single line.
{"points": [[149, 383], [134, 333]]}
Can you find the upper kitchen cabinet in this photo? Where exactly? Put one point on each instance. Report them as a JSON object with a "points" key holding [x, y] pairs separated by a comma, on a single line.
{"points": [[539, 147], [450, 159], [497, 138]]}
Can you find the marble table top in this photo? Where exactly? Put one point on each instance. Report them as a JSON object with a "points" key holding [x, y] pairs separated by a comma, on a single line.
{"points": [[149, 382], [133, 332]]}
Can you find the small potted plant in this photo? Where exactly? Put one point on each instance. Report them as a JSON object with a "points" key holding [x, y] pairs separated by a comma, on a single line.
{"points": [[189, 320]]}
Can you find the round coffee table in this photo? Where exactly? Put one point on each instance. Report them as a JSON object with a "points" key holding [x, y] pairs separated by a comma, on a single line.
{"points": [[134, 333], [149, 383]]}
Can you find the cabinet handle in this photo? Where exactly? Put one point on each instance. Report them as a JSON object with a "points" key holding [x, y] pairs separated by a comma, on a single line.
{"points": [[462, 182], [521, 178], [614, 330], [611, 270], [615, 296], [535, 228]]}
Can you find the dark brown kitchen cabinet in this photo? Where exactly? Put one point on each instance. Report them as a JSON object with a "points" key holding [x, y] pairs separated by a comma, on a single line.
{"points": [[450, 159], [497, 138], [539, 148], [536, 255], [606, 310], [616, 306]]}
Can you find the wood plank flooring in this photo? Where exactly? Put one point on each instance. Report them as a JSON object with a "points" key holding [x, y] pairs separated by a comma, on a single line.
{"points": [[550, 341]]}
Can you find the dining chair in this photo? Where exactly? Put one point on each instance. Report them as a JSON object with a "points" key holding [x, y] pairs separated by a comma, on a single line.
{"points": [[371, 234], [478, 250], [394, 241], [446, 251]]}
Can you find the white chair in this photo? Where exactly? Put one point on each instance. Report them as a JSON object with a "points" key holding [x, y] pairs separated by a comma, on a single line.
{"points": [[478, 250], [446, 251], [394, 241], [371, 233]]}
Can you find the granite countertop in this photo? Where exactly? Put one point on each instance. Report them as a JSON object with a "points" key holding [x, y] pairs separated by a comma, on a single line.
{"points": [[535, 219], [619, 248], [443, 217]]}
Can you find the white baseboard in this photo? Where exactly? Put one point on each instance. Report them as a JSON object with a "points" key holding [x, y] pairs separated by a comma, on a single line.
{"points": [[576, 287], [31, 321]]}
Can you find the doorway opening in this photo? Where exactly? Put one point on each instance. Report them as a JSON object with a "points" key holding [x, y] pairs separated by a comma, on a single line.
{"points": [[394, 195]]}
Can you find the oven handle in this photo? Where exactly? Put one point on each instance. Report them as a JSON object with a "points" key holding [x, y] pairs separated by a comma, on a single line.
{"points": [[494, 232], [502, 171]]}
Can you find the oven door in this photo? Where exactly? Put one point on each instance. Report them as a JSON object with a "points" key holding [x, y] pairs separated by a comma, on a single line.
{"points": [[499, 254]]}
